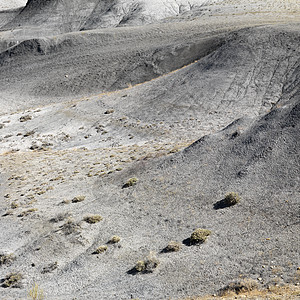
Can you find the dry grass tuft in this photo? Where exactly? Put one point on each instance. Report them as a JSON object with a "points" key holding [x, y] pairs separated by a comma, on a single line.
{"points": [[274, 292], [6, 258], [27, 212], [114, 239], [173, 247], [100, 249], [36, 293], [131, 182], [239, 287], [78, 199], [199, 236], [12, 280], [70, 227], [232, 199], [148, 265], [93, 219]]}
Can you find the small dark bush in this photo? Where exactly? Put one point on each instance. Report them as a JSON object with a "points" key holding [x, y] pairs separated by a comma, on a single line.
{"points": [[93, 219], [131, 182], [199, 236], [148, 265], [100, 249], [232, 199], [114, 239], [239, 287], [12, 280], [173, 247]]}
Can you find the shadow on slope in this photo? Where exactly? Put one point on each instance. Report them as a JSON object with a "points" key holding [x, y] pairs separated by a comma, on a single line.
{"points": [[176, 195]]}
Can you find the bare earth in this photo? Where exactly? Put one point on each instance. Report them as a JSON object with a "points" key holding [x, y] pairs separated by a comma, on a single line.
{"points": [[147, 113]]}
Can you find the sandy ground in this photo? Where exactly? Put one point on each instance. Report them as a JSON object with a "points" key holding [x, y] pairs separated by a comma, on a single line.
{"points": [[201, 102], [12, 4]]}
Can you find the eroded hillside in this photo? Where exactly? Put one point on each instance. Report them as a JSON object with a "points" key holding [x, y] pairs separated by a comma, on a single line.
{"points": [[124, 125]]}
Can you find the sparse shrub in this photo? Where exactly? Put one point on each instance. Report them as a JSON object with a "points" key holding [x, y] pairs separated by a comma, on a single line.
{"points": [[66, 201], [29, 133], [49, 268], [60, 217], [36, 293], [12, 280], [231, 199], [93, 219], [173, 247], [239, 287], [199, 236], [148, 264], [140, 266], [70, 227], [100, 249], [14, 205], [8, 213], [78, 199], [114, 239], [131, 182], [6, 258], [25, 118], [27, 212], [109, 111]]}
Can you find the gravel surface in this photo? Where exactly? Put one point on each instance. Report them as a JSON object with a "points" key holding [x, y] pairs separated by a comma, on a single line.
{"points": [[135, 119]]}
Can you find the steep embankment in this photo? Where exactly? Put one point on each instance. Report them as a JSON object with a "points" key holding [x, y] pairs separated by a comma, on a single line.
{"points": [[66, 16]]}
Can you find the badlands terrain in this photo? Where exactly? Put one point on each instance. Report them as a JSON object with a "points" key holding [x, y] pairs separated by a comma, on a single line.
{"points": [[124, 124]]}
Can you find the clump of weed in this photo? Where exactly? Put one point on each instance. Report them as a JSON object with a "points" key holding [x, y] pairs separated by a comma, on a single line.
{"points": [[239, 287], [12, 280], [100, 249], [131, 182], [78, 199], [27, 212], [114, 239], [70, 227], [29, 133], [231, 199], [36, 293], [199, 236], [66, 201], [25, 118], [6, 258], [173, 247], [8, 213], [109, 111], [60, 217], [93, 219], [148, 265], [49, 268], [14, 205]]}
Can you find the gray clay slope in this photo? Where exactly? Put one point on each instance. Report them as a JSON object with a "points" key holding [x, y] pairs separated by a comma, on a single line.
{"points": [[76, 15], [71, 124]]}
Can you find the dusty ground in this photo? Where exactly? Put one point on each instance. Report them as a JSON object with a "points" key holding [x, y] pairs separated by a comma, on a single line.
{"points": [[195, 101]]}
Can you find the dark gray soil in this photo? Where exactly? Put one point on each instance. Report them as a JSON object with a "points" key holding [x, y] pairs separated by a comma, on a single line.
{"points": [[194, 102]]}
